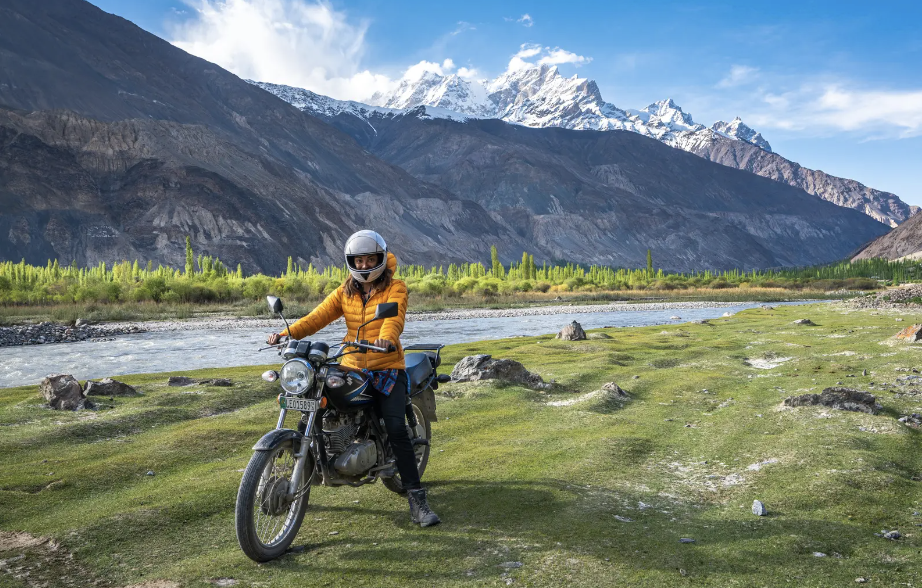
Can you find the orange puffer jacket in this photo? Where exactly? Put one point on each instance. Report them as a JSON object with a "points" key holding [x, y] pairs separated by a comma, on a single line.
{"points": [[338, 304]]}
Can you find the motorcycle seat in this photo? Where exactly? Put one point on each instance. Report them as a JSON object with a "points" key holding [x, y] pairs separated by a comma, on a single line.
{"points": [[419, 368]]}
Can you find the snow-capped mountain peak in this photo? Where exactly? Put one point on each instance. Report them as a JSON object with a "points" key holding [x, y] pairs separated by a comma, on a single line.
{"points": [[537, 96], [740, 131], [668, 113]]}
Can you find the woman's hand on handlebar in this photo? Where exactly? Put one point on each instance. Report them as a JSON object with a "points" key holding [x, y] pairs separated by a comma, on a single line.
{"points": [[385, 344], [274, 339]]}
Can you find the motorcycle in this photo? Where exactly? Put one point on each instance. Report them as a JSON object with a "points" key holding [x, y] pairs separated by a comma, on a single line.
{"points": [[339, 439]]}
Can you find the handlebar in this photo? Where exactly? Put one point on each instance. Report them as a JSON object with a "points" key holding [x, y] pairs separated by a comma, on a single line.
{"points": [[389, 349]]}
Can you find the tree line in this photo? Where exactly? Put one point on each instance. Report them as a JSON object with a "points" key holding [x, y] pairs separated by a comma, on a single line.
{"points": [[206, 279]]}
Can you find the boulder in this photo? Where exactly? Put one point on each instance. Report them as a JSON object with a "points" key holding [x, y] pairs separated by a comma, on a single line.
{"points": [[187, 381], [612, 390], [482, 367], [217, 382], [806, 322], [109, 387], [63, 392], [181, 381], [839, 399], [572, 332], [912, 333], [758, 508]]}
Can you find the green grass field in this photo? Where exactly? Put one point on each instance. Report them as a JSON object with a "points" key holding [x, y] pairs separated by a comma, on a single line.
{"points": [[529, 492]]}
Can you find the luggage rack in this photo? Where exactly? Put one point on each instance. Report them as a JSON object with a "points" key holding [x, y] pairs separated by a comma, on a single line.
{"points": [[431, 349]]}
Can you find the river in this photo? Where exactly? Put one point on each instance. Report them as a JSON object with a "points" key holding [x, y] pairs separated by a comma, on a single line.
{"points": [[189, 350]]}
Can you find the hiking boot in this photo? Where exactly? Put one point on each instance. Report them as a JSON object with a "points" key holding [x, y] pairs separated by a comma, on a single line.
{"points": [[419, 509]]}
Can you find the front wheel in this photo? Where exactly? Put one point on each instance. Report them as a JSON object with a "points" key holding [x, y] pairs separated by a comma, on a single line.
{"points": [[423, 430], [267, 520]]}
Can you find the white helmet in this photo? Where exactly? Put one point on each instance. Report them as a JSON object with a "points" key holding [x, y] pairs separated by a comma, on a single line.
{"points": [[366, 243]]}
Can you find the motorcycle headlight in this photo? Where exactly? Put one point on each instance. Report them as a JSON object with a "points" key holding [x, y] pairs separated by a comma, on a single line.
{"points": [[297, 376]]}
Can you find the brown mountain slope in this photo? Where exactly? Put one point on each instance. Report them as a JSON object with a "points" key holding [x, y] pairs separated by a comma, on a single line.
{"points": [[904, 240], [166, 144], [609, 196], [885, 207]]}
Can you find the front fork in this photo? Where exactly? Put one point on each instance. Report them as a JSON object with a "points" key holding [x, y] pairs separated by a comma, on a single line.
{"points": [[301, 456]]}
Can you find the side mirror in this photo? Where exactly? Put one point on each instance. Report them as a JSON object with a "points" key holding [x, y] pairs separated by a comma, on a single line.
{"points": [[386, 310], [275, 305]]}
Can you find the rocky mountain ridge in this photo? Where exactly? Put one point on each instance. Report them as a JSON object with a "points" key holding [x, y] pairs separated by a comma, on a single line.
{"points": [[542, 97]]}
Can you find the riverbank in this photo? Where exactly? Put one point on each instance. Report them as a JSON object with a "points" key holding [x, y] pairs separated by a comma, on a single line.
{"points": [[534, 488], [56, 333], [98, 312]]}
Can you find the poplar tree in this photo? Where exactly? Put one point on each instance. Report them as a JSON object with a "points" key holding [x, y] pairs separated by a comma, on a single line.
{"points": [[190, 259], [497, 270]]}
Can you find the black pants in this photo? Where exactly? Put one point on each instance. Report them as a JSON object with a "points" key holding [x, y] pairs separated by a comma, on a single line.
{"points": [[392, 409]]}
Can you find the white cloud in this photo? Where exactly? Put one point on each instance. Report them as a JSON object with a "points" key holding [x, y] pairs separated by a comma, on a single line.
{"points": [[549, 56], [416, 71], [468, 73], [739, 75], [526, 20], [838, 107], [309, 44], [301, 43], [557, 56]]}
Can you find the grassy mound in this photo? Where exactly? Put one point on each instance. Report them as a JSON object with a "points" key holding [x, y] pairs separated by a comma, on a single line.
{"points": [[533, 491]]}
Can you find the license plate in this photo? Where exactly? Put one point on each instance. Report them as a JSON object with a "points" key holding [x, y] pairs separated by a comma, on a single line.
{"points": [[302, 404]]}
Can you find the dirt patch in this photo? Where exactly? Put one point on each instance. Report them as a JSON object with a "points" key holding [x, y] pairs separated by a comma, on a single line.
{"points": [[39, 562], [766, 363], [13, 541]]}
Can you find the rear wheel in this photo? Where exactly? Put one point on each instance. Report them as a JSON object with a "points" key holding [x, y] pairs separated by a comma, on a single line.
{"points": [[423, 430], [267, 520]]}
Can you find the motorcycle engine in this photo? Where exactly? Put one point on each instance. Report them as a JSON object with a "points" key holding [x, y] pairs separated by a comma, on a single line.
{"points": [[357, 459], [339, 432]]}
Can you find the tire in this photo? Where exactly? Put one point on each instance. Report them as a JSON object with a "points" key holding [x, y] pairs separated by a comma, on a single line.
{"points": [[423, 429], [266, 526]]}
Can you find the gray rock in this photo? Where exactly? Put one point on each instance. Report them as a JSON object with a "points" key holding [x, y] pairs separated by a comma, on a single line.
{"points": [[109, 387], [805, 321], [612, 390], [217, 382], [758, 508], [686, 540], [892, 535], [481, 367], [839, 399], [150, 472], [181, 381], [63, 392], [572, 332]]}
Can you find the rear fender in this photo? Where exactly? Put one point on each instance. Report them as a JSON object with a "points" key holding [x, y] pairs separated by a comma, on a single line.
{"points": [[276, 437], [425, 400]]}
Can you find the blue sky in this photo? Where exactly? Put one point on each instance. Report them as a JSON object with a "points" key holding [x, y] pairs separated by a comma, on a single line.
{"points": [[835, 86]]}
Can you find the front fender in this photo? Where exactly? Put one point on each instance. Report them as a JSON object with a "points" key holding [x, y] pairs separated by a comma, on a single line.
{"points": [[276, 437]]}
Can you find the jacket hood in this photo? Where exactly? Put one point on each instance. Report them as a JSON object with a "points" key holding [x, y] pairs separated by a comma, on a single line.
{"points": [[391, 262]]}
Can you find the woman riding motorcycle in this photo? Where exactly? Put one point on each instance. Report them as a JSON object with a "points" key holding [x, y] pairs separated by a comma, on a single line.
{"points": [[371, 282]]}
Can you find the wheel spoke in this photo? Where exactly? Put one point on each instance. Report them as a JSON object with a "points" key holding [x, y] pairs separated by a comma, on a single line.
{"points": [[270, 525]]}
